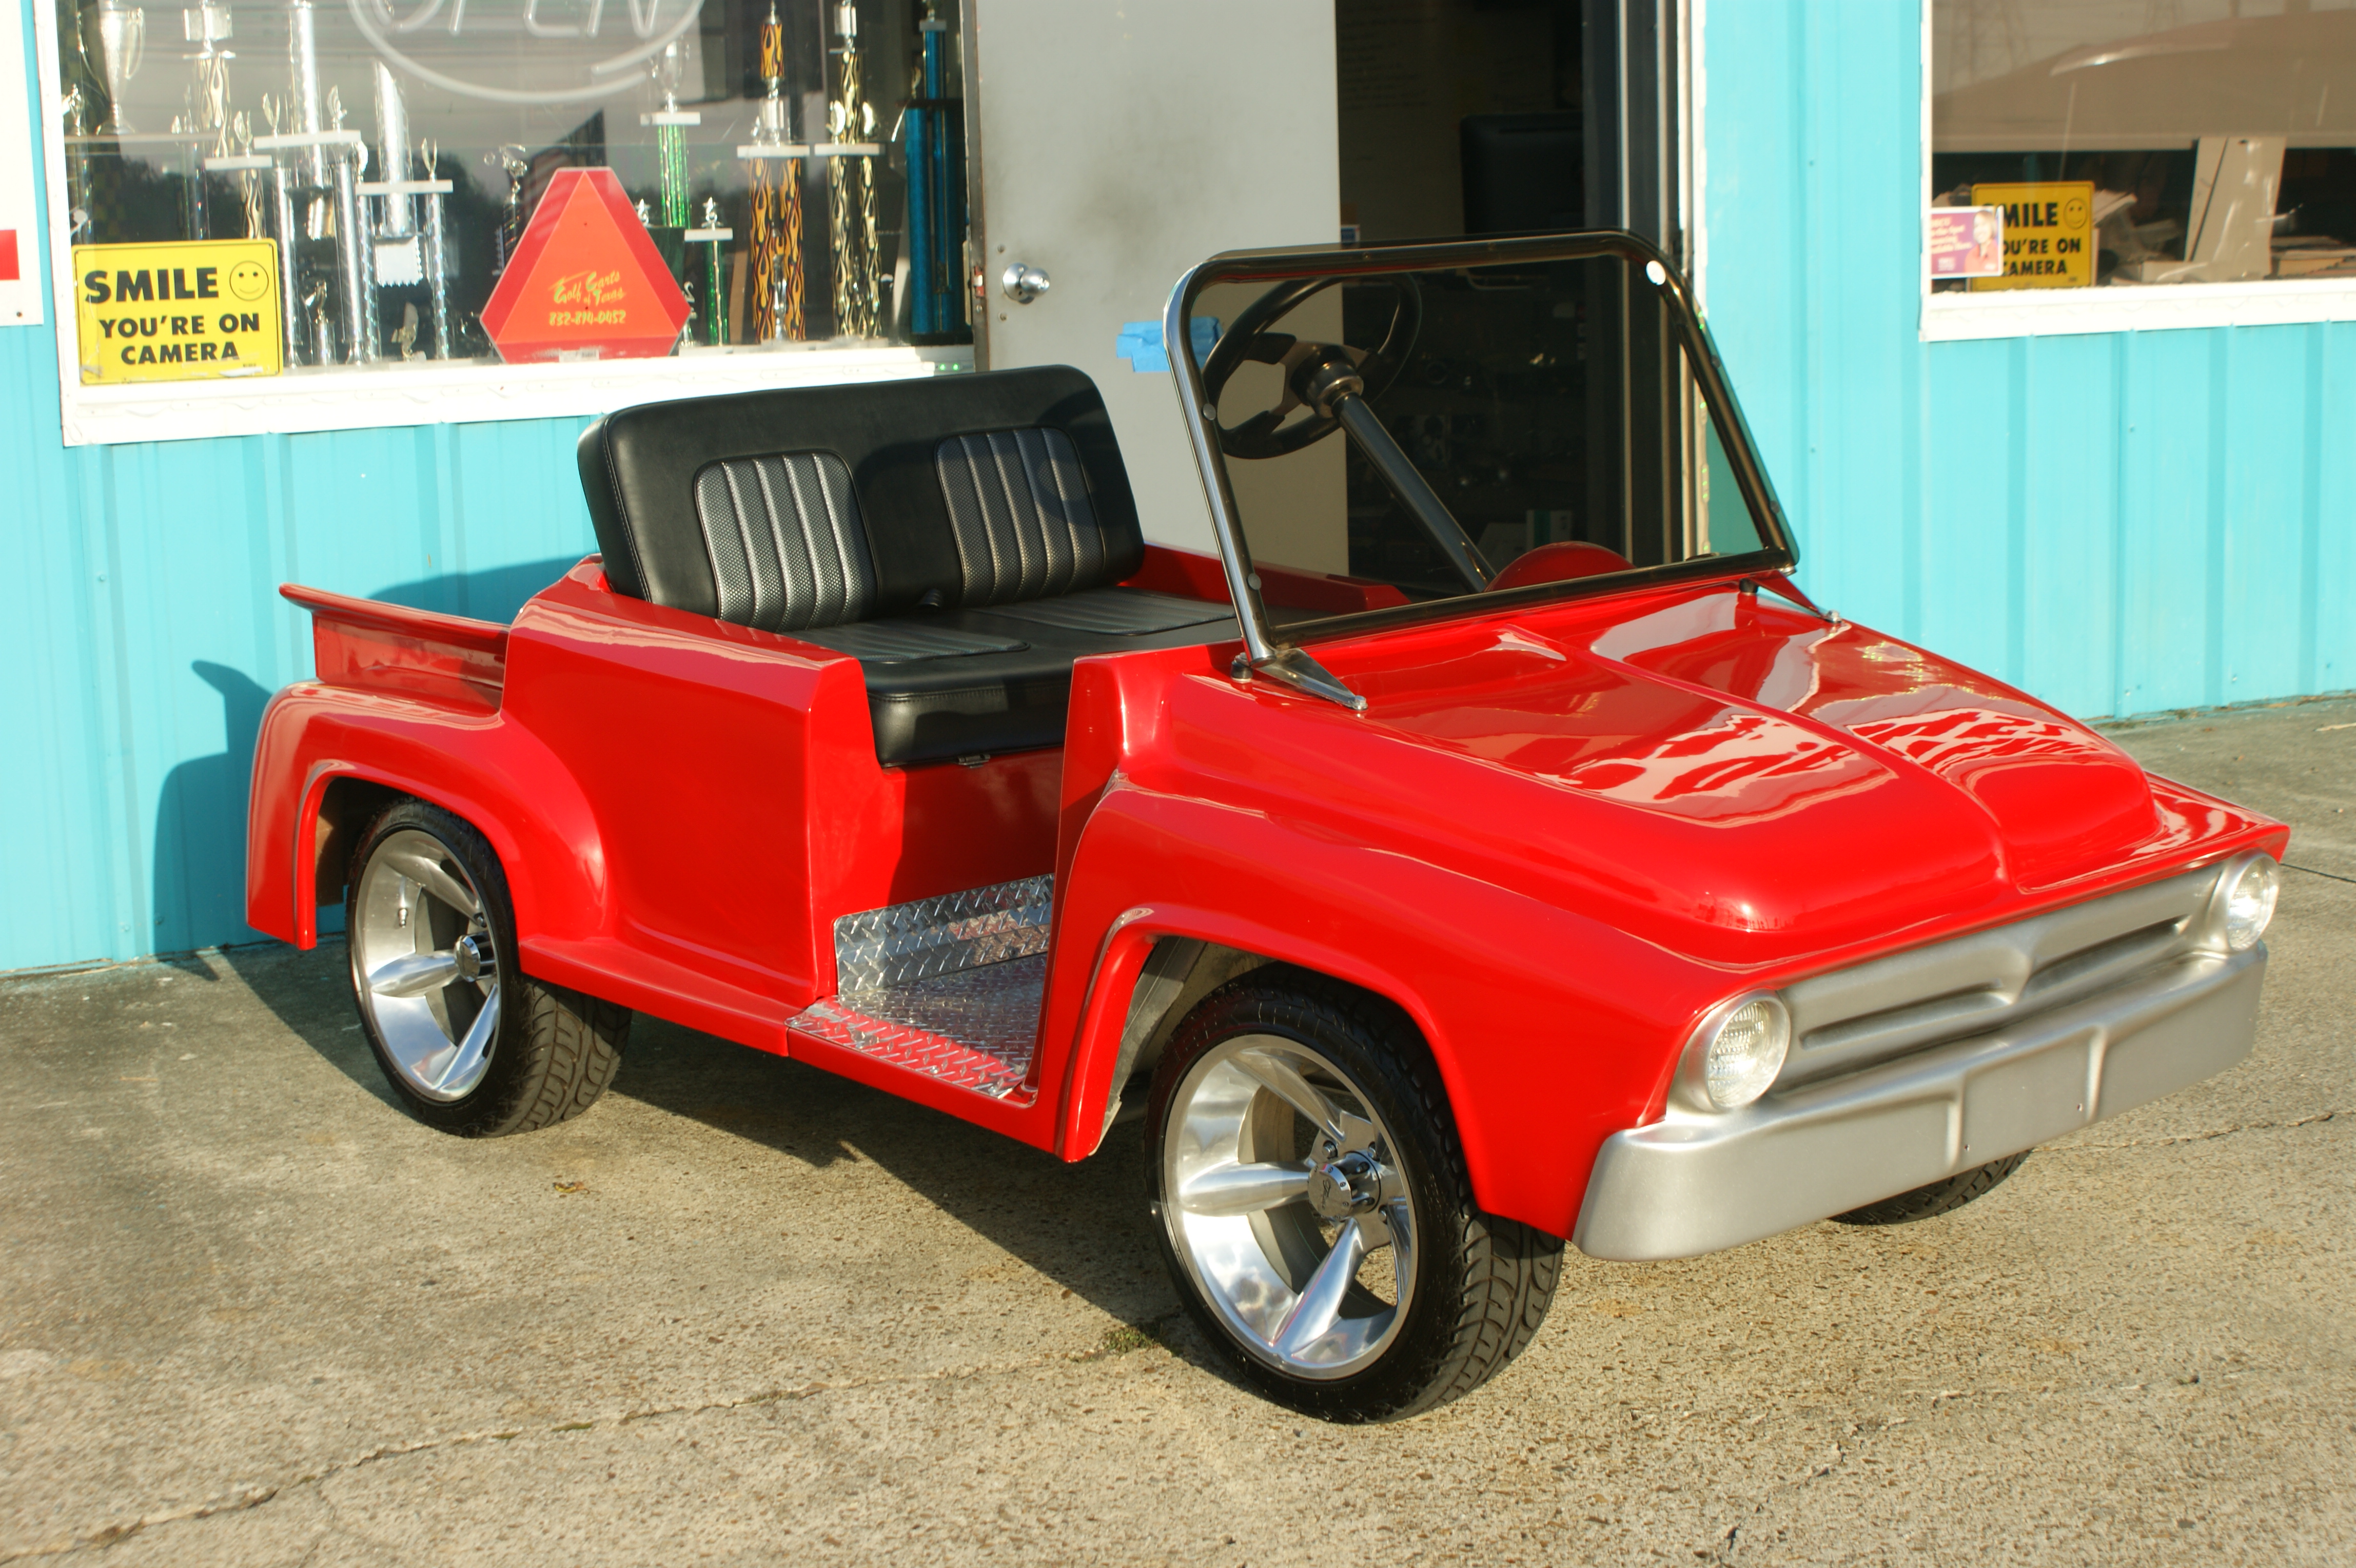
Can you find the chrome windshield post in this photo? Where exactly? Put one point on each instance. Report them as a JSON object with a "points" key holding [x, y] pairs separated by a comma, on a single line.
{"points": [[1263, 655]]}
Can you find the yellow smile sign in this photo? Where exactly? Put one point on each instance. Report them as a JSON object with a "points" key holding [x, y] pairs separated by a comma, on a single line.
{"points": [[185, 311]]}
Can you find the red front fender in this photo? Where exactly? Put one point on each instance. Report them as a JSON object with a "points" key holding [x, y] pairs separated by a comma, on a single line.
{"points": [[1551, 1032]]}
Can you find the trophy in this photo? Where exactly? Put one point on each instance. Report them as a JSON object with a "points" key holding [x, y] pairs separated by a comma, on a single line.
{"points": [[398, 254], [936, 307], [303, 65], [248, 179], [437, 253], [399, 222], [671, 70], [713, 237], [206, 25], [355, 252], [774, 201], [301, 345], [121, 47], [851, 179], [512, 161]]}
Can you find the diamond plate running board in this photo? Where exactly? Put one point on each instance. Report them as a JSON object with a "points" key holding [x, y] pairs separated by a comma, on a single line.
{"points": [[972, 1029], [929, 936]]}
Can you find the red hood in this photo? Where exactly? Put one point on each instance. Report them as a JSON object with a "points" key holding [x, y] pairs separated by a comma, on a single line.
{"points": [[1750, 768]]}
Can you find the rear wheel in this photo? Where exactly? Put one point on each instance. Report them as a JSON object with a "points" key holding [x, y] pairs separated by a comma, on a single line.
{"points": [[1314, 1209], [471, 1043], [1938, 1198]]}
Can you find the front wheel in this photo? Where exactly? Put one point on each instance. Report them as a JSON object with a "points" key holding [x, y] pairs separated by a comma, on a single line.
{"points": [[469, 1041], [1943, 1196], [1314, 1209]]}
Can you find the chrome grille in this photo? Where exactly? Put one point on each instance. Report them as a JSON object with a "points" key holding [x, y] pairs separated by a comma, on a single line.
{"points": [[1972, 984]]}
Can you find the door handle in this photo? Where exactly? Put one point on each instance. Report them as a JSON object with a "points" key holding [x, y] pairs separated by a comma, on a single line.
{"points": [[1023, 283]]}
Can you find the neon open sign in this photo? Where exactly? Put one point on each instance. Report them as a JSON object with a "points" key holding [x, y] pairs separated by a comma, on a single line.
{"points": [[645, 34]]}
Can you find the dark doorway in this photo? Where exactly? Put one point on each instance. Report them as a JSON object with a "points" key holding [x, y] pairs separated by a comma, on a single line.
{"points": [[1458, 116], [1461, 117], [1507, 117]]}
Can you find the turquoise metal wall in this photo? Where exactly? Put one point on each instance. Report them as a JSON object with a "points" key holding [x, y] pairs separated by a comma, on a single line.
{"points": [[140, 632], [2120, 522]]}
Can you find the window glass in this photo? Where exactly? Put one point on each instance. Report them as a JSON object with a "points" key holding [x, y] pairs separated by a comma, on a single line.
{"points": [[1547, 411], [2125, 143], [391, 154]]}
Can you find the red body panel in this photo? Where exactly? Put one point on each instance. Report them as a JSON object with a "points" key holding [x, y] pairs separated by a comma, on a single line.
{"points": [[1555, 838]]}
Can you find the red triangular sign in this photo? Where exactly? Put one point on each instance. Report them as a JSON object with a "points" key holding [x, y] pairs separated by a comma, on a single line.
{"points": [[585, 280]]}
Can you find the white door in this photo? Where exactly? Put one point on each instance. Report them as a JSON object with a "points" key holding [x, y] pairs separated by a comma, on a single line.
{"points": [[1119, 143]]}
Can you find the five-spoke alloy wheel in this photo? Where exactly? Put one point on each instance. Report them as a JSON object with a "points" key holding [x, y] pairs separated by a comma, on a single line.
{"points": [[1314, 1209], [1287, 1205], [424, 966], [470, 1043]]}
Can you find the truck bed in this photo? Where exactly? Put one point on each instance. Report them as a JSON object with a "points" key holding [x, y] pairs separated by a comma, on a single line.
{"points": [[368, 645]]}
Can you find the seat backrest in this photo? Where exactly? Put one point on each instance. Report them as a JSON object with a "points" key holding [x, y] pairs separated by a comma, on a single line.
{"points": [[816, 506]]}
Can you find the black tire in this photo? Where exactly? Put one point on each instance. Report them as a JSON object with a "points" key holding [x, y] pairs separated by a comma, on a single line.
{"points": [[552, 1051], [1481, 1284], [1942, 1197]]}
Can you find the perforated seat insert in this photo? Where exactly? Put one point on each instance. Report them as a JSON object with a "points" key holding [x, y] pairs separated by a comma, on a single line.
{"points": [[784, 539], [1018, 505]]}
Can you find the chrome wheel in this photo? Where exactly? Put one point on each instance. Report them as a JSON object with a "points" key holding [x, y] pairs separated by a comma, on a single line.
{"points": [[1287, 1204], [423, 966]]}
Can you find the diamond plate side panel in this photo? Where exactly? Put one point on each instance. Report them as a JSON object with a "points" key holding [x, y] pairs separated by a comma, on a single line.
{"points": [[903, 943], [975, 1029]]}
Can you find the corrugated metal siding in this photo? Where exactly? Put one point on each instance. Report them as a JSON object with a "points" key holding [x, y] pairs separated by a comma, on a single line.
{"points": [[2119, 523], [142, 630]]}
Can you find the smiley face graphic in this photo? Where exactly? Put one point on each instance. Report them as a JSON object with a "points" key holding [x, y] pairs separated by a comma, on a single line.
{"points": [[249, 279]]}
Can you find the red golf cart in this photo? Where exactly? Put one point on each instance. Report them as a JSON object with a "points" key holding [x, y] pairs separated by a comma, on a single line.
{"points": [[1489, 847]]}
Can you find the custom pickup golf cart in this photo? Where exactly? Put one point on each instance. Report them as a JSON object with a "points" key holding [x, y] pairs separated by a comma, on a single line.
{"points": [[1490, 846]]}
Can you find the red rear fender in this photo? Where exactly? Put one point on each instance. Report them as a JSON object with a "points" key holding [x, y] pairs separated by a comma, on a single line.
{"points": [[484, 769]]}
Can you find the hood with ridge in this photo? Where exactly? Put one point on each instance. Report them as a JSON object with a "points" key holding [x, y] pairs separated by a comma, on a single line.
{"points": [[1745, 765]]}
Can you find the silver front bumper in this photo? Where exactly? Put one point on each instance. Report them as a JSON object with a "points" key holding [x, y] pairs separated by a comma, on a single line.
{"points": [[1693, 1184]]}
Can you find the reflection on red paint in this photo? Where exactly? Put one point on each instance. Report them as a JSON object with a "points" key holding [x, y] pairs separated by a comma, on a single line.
{"points": [[1739, 769]]}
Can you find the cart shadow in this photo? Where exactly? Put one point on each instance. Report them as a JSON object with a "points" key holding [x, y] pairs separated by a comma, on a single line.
{"points": [[310, 994], [493, 594], [1084, 1226]]}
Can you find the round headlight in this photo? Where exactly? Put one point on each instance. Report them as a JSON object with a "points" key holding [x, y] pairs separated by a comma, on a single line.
{"points": [[2250, 904], [1746, 1053]]}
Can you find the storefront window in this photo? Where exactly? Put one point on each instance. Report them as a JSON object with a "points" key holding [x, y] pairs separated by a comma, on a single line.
{"points": [[2128, 144], [360, 179]]}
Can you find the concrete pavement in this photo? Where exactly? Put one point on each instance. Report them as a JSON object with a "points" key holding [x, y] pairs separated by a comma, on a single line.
{"points": [[743, 1312]]}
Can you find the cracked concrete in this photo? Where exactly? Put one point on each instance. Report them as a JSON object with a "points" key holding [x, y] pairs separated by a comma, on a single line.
{"points": [[744, 1312]]}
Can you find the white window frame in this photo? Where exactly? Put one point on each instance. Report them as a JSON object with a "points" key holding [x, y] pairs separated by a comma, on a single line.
{"points": [[2057, 312], [437, 392]]}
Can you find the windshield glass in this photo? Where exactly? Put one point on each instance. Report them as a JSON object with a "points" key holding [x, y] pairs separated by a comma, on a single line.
{"points": [[1440, 434]]}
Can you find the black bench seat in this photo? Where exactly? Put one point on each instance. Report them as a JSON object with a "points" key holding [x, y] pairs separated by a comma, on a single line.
{"points": [[961, 537], [980, 681]]}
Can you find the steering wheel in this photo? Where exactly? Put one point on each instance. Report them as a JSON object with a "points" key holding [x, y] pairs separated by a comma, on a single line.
{"points": [[1248, 339]]}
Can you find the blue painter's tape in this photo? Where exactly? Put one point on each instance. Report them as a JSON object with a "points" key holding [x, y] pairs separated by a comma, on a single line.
{"points": [[1140, 342]]}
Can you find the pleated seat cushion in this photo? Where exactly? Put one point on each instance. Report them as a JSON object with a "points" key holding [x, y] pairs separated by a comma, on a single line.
{"points": [[960, 536]]}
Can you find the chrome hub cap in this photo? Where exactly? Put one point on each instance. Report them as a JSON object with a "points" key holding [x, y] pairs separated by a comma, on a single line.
{"points": [[474, 956], [1286, 1205], [423, 965], [1351, 1185]]}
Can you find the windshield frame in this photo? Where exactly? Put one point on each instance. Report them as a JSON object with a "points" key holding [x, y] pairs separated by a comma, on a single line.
{"points": [[1263, 644]]}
